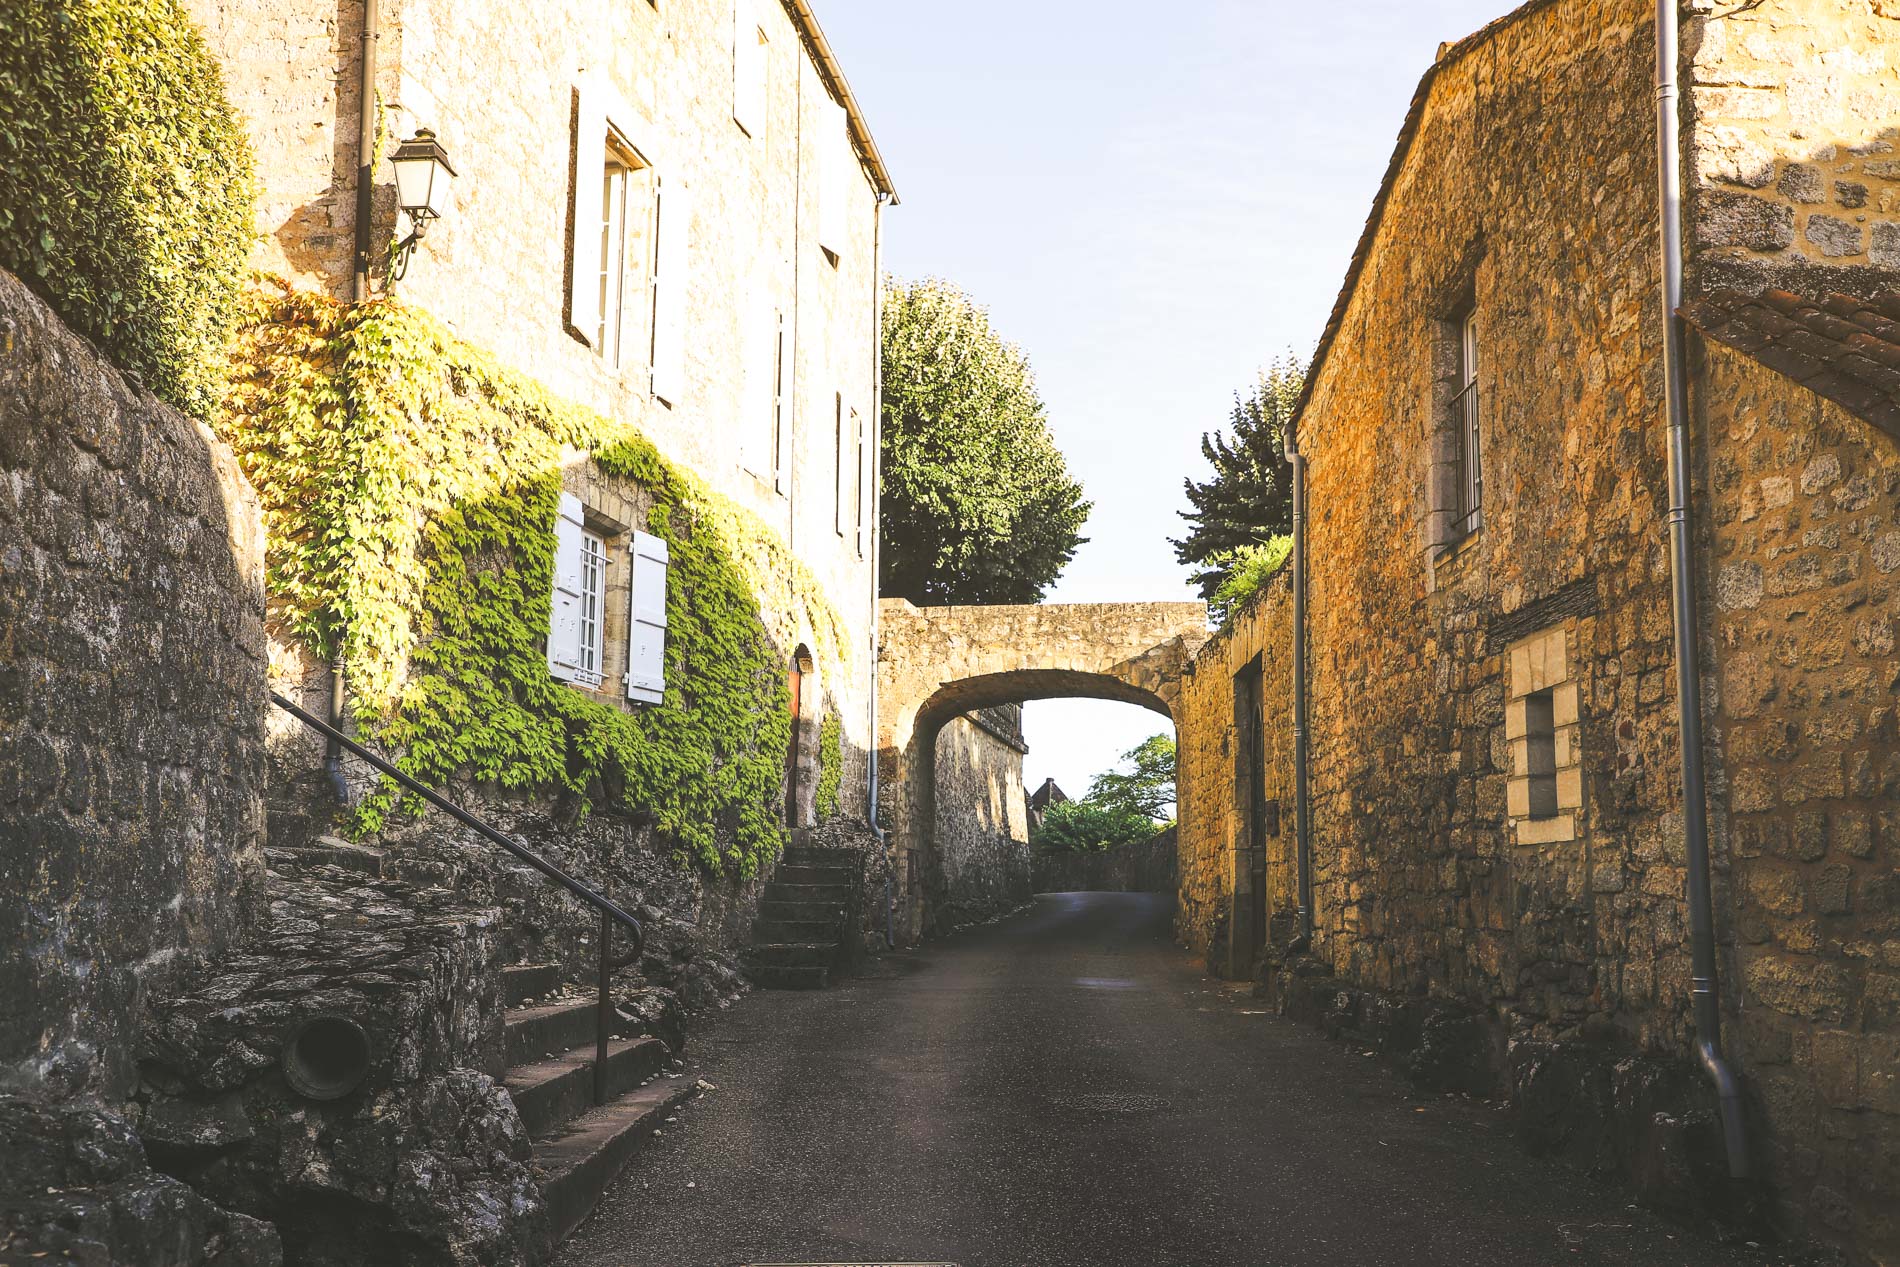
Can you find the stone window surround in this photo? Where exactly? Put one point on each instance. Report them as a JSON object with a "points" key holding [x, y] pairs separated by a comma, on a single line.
{"points": [[1535, 664]]}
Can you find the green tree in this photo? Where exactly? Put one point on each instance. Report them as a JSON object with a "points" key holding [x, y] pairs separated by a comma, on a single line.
{"points": [[1085, 825], [978, 505], [1249, 500], [1148, 789]]}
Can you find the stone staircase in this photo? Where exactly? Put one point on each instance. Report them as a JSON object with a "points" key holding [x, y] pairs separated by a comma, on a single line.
{"points": [[799, 942], [579, 1147]]}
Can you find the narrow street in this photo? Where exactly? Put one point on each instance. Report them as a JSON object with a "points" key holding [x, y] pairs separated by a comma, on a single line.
{"points": [[1064, 1089]]}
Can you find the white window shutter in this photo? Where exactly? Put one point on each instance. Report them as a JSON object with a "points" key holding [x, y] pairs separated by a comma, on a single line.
{"points": [[835, 164], [748, 68], [669, 291], [646, 640], [590, 155], [784, 350], [840, 466], [866, 464], [564, 619], [756, 397]]}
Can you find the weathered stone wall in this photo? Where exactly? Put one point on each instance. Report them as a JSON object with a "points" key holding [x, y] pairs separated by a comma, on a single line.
{"points": [[1217, 857], [938, 663], [496, 268], [1542, 955], [131, 703], [1793, 115], [982, 833], [1805, 519], [1145, 867]]}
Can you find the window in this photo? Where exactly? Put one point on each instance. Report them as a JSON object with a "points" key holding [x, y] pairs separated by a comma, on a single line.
{"points": [[673, 215], [646, 625], [837, 172], [781, 408], [863, 503], [1540, 753], [613, 210], [766, 404], [749, 69], [1465, 418], [838, 464], [580, 591], [616, 183]]}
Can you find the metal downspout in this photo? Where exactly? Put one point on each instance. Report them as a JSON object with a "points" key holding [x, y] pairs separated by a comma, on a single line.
{"points": [[1302, 811], [877, 543], [360, 292], [1702, 989]]}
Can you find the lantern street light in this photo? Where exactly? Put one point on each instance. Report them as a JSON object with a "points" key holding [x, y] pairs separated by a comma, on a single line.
{"points": [[423, 176]]}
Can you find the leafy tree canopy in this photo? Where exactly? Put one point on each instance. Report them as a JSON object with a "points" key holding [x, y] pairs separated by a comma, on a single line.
{"points": [[1084, 825], [1249, 500], [978, 505], [1147, 789]]}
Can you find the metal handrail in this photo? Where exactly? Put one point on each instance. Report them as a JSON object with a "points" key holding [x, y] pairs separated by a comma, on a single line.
{"points": [[609, 910]]}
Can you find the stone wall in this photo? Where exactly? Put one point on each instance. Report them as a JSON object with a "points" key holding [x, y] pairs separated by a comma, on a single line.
{"points": [[497, 267], [131, 703], [1805, 520], [1538, 950], [982, 834], [1145, 867], [1792, 119]]}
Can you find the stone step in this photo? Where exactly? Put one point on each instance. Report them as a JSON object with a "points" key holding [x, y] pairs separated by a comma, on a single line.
{"points": [[815, 954], [771, 908], [830, 894], [550, 1093], [787, 874], [535, 1033], [805, 856], [584, 1157], [526, 981], [796, 930], [795, 977]]}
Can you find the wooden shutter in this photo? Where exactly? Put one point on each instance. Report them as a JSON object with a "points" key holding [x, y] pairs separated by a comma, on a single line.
{"points": [[748, 68], [673, 206], [835, 164], [784, 407], [590, 156], [564, 618], [863, 508], [646, 638]]}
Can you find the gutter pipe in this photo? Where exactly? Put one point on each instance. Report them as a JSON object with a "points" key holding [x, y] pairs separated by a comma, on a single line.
{"points": [[877, 543], [1302, 810], [360, 292], [1702, 988]]}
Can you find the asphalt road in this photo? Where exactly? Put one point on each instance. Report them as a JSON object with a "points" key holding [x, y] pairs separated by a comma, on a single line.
{"points": [[1065, 1089]]}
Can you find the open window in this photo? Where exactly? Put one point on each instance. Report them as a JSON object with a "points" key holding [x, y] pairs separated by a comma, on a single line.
{"points": [[576, 628]]}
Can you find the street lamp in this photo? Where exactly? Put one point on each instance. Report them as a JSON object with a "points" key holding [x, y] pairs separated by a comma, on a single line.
{"points": [[423, 176]]}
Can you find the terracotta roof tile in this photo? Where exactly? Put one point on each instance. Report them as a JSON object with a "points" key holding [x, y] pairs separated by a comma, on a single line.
{"points": [[1843, 348]]}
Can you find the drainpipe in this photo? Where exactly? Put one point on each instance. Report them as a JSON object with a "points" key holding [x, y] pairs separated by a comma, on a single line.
{"points": [[1702, 988], [360, 292], [877, 543], [1302, 814]]}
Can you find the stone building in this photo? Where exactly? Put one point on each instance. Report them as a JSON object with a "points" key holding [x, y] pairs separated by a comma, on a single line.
{"points": [[1497, 831], [982, 831]]}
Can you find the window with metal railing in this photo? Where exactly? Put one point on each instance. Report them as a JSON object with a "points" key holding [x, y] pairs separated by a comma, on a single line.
{"points": [[1470, 510]]}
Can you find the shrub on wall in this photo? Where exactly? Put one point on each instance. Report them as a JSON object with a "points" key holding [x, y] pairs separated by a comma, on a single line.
{"points": [[830, 765], [429, 570], [125, 183]]}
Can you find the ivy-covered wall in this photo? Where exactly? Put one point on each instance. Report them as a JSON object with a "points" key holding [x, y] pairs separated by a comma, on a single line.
{"points": [[410, 487]]}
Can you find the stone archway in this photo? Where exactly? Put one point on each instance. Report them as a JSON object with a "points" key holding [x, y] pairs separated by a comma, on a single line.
{"points": [[937, 663]]}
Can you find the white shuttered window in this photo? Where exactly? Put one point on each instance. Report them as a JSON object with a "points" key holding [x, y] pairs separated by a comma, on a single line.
{"points": [[646, 641]]}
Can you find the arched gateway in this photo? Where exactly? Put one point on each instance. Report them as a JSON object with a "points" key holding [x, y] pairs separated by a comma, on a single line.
{"points": [[937, 663]]}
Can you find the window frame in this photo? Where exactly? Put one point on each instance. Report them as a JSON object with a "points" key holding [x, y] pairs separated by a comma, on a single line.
{"points": [[1469, 509]]}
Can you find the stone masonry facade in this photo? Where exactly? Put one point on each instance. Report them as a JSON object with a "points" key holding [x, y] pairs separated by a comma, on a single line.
{"points": [[982, 832], [1499, 867]]}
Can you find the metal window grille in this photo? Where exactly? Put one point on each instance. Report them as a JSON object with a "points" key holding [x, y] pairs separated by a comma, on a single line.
{"points": [[1470, 452], [593, 597]]}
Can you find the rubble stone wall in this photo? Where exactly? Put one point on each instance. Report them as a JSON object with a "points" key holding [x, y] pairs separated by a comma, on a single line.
{"points": [[1805, 578], [1792, 118], [131, 703], [982, 841], [1144, 867]]}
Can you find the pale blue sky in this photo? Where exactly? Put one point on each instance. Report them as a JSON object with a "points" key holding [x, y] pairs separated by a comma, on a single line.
{"points": [[1153, 201]]}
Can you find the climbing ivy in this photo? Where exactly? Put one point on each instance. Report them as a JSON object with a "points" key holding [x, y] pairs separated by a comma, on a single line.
{"points": [[830, 765], [410, 487], [125, 183]]}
